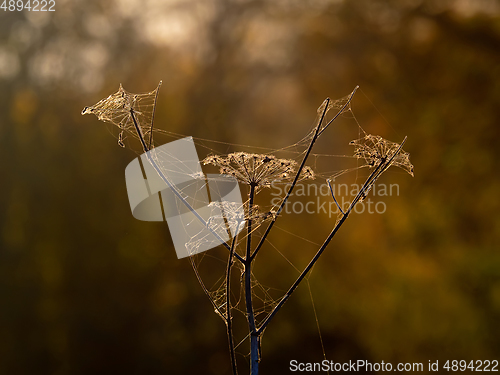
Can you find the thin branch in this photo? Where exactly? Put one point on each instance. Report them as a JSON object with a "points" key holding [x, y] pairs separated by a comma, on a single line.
{"points": [[249, 224], [317, 133], [297, 175], [341, 110], [229, 324], [302, 275], [333, 195], [254, 355], [138, 130], [153, 116], [382, 167]]}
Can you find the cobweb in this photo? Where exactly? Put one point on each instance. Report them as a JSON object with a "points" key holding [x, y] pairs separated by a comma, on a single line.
{"points": [[122, 107], [373, 148]]}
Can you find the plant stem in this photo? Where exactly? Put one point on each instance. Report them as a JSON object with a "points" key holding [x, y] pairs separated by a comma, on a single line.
{"points": [[341, 110], [138, 130], [229, 324], [282, 205], [254, 347], [381, 168], [254, 353], [303, 274], [318, 131], [153, 117]]}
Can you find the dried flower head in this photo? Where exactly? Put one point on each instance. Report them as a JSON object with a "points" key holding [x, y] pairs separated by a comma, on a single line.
{"points": [[122, 107], [376, 150], [258, 170], [237, 214]]}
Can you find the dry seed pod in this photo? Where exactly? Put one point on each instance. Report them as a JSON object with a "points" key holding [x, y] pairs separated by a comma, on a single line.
{"points": [[376, 150], [258, 170]]}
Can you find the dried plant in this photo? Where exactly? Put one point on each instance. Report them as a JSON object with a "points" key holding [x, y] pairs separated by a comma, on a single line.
{"points": [[375, 150], [257, 171], [132, 113]]}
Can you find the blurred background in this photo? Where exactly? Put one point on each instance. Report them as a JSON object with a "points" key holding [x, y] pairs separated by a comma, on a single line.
{"points": [[87, 289]]}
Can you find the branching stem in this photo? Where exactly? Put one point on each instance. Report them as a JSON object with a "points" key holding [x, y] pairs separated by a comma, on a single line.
{"points": [[317, 132], [254, 352], [333, 196], [382, 167]]}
